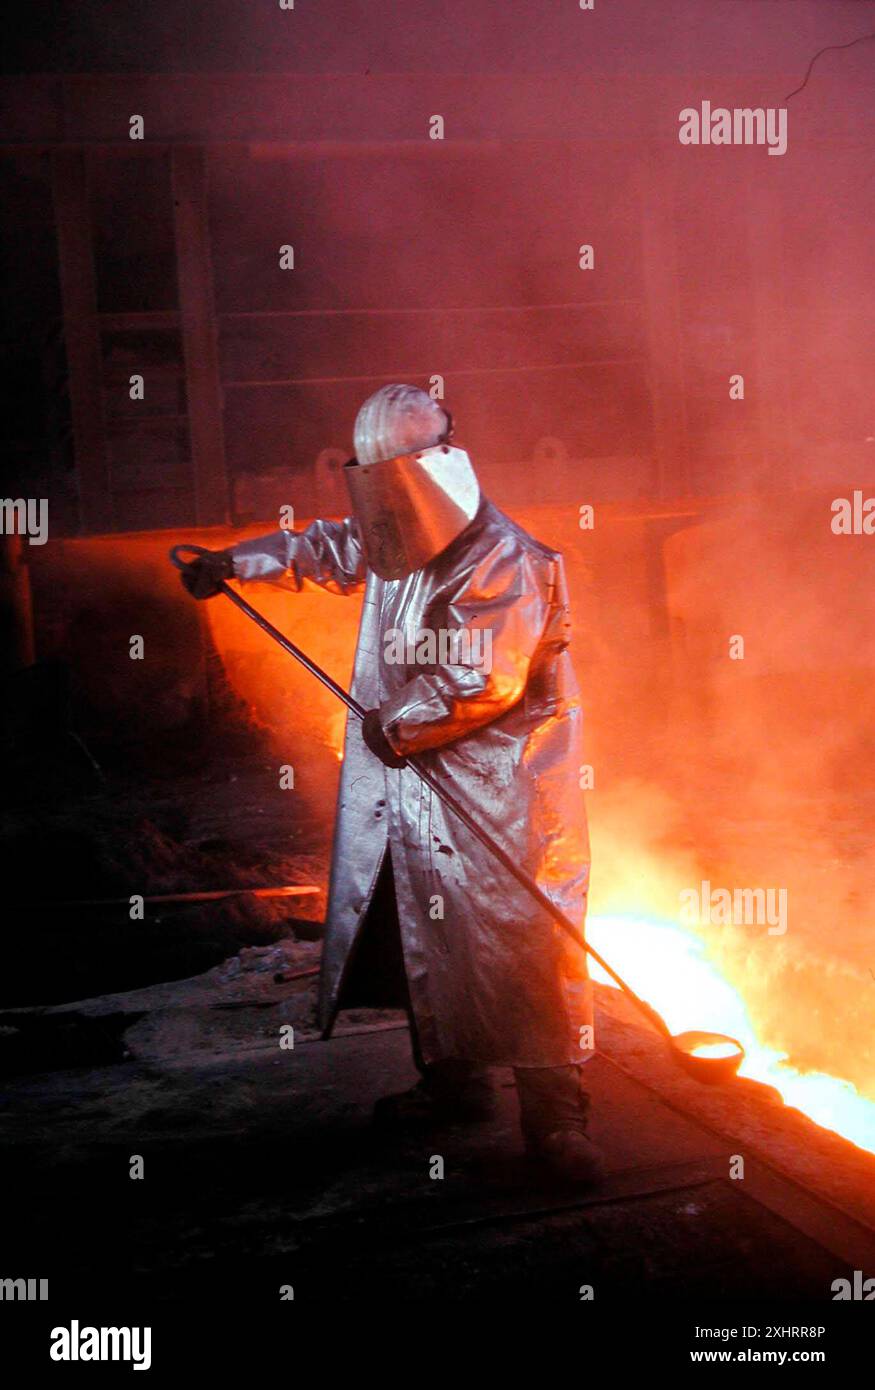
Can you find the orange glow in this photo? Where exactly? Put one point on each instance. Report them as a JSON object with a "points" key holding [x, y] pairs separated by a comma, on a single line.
{"points": [[689, 974], [773, 993], [798, 1004], [295, 708], [669, 966], [336, 732], [726, 1049]]}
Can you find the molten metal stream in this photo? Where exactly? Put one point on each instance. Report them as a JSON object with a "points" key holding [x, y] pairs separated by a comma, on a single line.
{"points": [[683, 982]]}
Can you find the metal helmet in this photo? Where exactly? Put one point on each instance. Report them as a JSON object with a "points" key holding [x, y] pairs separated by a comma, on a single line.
{"points": [[412, 492], [397, 420]]}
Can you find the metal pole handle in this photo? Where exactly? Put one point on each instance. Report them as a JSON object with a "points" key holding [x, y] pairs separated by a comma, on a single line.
{"points": [[446, 797]]}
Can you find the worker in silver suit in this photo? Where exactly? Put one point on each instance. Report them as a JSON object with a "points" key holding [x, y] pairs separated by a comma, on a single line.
{"points": [[419, 913]]}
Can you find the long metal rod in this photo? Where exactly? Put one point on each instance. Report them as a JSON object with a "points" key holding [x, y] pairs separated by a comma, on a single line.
{"points": [[458, 810], [209, 895]]}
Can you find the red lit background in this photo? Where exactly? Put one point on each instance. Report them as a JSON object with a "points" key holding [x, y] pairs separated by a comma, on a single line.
{"points": [[415, 257]]}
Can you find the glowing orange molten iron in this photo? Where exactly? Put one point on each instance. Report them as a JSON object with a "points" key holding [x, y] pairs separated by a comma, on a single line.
{"points": [[711, 1057], [711, 1049], [671, 962]]}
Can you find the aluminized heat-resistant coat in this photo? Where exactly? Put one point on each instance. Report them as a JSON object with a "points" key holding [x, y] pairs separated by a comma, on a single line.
{"points": [[494, 979]]}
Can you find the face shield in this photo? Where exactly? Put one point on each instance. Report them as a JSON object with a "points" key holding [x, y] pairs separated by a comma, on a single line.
{"points": [[412, 492], [410, 508]]}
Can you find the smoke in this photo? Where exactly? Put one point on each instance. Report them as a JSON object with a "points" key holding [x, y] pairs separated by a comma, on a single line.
{"points": [[754, 769]]}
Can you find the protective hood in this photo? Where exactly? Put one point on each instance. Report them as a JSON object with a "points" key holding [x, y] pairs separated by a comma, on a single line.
{"points": [[411, 507]]}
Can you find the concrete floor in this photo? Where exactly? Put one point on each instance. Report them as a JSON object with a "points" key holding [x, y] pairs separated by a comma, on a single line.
{"points": [[262, 1169]]}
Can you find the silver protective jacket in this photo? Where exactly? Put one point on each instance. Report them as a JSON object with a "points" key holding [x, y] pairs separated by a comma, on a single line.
{"points": [[491, 977]]}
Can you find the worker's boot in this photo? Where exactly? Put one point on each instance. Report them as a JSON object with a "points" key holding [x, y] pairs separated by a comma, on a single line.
{"points": [[554, 1111], [450, 1092]]}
